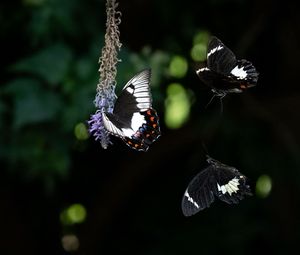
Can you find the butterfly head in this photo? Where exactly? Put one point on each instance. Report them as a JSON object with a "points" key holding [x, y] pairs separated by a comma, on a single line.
{"points": [[212, 161], [219, 93]]}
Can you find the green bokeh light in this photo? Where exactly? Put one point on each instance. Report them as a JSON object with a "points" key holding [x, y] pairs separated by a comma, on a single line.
{"points": [[81, 131], [263, 186], [200, 41], [76, 213], [178, 67], [177, 106], [70, 242], [202, 37], [198, 52]]}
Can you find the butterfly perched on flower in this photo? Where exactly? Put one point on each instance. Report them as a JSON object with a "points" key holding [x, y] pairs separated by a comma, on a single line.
{"points": [[133, 119], [216, 180], [225, 74]]}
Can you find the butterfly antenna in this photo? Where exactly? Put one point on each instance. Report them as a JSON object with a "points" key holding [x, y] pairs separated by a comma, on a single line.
{"points": [[210, 101], [221, 102], [205, 149]]}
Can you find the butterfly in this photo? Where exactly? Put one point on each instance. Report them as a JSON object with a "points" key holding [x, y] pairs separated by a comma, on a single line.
{"points": [[224, 73], [133, 119], [216, 180]]}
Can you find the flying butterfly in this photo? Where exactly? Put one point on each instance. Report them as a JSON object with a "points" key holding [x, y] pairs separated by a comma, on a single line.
{"points": [[225, 74], [133, 118], [216, 180]]}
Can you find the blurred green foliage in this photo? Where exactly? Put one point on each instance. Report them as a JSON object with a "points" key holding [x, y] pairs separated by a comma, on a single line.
{"points": [[74, 214], [178, 67], [50, 85], [49, 73], [263, 186], [200, 41], [177, 106]]}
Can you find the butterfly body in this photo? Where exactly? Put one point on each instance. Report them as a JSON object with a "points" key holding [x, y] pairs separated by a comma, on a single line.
{"points": [[224, 73], [133, 118], [216, 180]]}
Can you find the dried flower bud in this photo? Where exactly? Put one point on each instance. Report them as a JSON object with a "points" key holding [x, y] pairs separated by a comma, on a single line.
{"points": [[105, 96]]}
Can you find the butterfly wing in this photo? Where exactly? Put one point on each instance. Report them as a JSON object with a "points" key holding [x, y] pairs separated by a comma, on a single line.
{"points": [[224, 73], [135, 96], [231, 184], [220, 61], [217, 81], [147, 133], [245, 73], [220, 58], [199, 193], [219, 180], [133, 119]]}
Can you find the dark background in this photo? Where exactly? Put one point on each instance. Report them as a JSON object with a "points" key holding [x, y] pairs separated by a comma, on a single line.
{"points": [[49, 63]]}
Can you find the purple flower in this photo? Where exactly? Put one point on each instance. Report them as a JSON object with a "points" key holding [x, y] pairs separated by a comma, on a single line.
{"points": [[97, 129], [105, 97], [105, 103]]}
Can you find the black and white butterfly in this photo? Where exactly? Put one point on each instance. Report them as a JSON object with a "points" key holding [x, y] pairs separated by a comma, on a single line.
{"points": [[133, 118], [224, 73], [216, 180]]}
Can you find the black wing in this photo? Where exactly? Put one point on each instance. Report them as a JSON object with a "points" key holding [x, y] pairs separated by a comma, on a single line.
{"points": [[147, 133], [133, 118], [134, 98], [245, 73], [220, 58], [231, 184], [199, 193], [224, 72], [219, 180]]}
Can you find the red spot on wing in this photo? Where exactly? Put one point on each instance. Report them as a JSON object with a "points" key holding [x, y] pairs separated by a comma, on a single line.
{"points": [[146, 134]]}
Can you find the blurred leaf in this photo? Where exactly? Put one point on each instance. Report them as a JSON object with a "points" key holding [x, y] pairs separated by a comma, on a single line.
{"points": [[32, 103], [2, 109], [80, 106], [156, 60], [198, 52], [81, 131], [2, 122], [85, 68], [177, 106], [38, 155], [52, 18], [33, 2], [51, 63], [263, 186], [159, 61], [178, 67], [74, 214], [202, 37]]}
